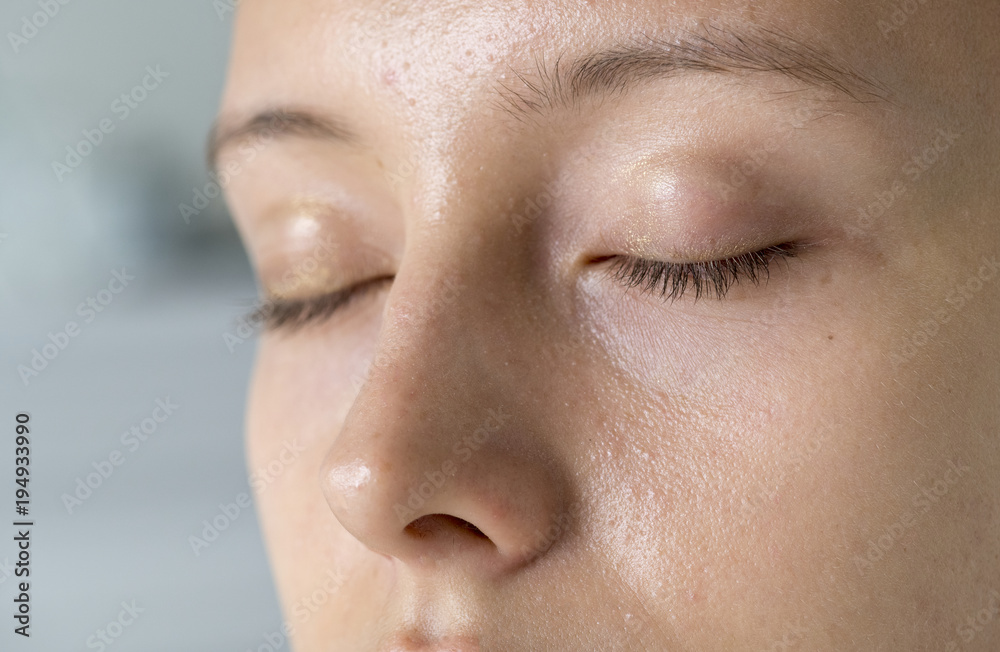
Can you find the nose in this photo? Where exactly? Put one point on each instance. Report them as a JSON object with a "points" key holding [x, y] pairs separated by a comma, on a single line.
{"points": [[436, 462]]}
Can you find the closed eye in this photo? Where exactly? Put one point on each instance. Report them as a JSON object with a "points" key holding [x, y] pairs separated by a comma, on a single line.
{"points": [[705, 278], [668, 279], [276, 313]]}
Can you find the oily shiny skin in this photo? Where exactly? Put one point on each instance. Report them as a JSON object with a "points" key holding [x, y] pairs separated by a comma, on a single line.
{"points": [[506, 449]]}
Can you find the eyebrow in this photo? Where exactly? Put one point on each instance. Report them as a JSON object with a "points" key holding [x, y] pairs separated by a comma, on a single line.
{"points": [[613, 71], [610, 72], [278, 123]]}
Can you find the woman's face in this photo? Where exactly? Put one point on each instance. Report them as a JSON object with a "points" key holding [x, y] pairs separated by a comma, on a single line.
{"points": [[667, 325]]}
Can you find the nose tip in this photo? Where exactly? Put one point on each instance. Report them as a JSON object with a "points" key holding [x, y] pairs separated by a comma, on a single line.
{"points": [[344, 481], [492, 516], [437, 461]]}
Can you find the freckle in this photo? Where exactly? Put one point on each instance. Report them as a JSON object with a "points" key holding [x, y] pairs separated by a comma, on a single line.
{"points": [[412, 101], [406, 65], [468, 53]]}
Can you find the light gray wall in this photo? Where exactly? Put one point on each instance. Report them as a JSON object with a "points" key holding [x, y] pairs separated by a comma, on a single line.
{"points": [[61, 240]]}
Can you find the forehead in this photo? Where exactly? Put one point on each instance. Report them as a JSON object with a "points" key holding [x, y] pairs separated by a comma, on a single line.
{"points": [[428, 64]]}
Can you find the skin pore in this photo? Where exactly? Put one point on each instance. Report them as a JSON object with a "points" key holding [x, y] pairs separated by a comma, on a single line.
{"points": [[509, 252]]}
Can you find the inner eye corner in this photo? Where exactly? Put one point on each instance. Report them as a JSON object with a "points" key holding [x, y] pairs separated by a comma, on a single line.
{"points": [[596, 260]]}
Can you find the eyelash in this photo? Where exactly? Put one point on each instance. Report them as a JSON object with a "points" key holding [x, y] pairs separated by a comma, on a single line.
{"points": [[673, 279], [714, 277], [292, 314]]}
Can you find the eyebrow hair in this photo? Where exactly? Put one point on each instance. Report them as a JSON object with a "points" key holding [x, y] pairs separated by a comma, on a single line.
{"points": [[610, 72], [279, 122], [615, 70]]}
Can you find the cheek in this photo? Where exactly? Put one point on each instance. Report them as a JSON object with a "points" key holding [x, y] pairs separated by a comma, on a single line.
{"points": [[305, 381], [760, 454], [301, 391]]}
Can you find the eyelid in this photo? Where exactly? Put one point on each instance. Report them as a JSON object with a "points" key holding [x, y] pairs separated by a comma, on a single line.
{"points": [[276, 313], [711, 276]]}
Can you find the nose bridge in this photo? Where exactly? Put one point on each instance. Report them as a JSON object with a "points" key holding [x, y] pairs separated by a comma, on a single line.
{"points": [[425, 311], [431, 334], [444, 320], [436, 323], [417, 359], [433, 460]]}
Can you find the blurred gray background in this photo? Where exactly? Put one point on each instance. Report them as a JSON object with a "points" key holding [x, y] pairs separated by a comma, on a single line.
{"points": [[63, 235]]}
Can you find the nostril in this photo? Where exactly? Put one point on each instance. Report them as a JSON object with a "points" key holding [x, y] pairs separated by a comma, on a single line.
{"points": [[476, 531], [433, 524]]}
